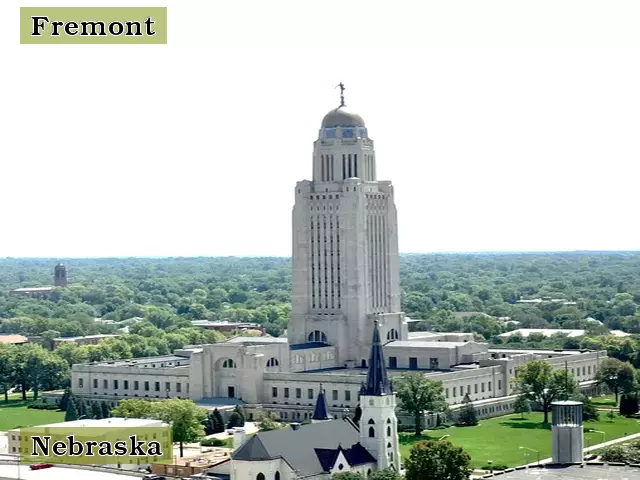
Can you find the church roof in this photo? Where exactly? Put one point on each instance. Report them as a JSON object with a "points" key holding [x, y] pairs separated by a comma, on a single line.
{"points": [[356, 455], [340, 117], [321, 411], [377, 380], [308, 449]]}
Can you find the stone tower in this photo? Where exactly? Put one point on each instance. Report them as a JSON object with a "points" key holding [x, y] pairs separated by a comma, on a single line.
{"points": [[567, 434], [378, 423], [60, 275], [345, 245]]}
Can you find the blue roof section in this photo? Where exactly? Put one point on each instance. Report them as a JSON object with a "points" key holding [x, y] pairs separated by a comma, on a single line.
{"points": [[305, 346], [377, 380]]}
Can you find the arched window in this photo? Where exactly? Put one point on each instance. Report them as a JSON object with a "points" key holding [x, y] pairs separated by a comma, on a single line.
{"points": [[393, 334], [372, 432], [371, 422], [276, 476], [228, 363], [260, 476], [317, 336], [272, 362], [369, 473], [388, 431], [388, 420]]}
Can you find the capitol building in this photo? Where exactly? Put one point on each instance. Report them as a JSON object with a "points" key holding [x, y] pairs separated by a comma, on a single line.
{"points": [[346, 282]]}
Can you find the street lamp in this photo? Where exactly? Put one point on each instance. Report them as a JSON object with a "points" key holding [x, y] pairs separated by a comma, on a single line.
{"points": [[527, 448], [444, 436]]}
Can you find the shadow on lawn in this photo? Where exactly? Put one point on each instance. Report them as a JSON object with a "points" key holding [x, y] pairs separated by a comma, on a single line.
{"points": [[525, 423]]}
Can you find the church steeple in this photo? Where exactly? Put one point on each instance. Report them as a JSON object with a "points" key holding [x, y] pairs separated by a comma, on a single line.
{"points": [[377, 380], [321, 411]]}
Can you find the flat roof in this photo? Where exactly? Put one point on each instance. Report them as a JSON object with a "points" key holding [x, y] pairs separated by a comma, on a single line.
{"points": [[257, 340], [105, 422], [142, 361], [73, 339], [11, 338], [420, 344], [575, 472], [32, 289], [306, 346], [54, 473], [533, 350]]}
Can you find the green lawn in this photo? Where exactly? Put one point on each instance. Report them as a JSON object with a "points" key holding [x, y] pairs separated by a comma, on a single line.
{"points": [[498, 439], [604, 401], [16, 414]]}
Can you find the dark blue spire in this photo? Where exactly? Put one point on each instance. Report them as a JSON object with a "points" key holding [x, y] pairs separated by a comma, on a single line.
{"points": [[377, 381], [321, 412]]}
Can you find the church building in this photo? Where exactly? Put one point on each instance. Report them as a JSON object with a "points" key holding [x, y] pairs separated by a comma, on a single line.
{"points": [[326, 445]]}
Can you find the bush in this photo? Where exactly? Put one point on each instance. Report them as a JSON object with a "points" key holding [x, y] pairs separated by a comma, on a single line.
{"points": [[213, 442], [43, 405], [614, 453], [495, 467]]}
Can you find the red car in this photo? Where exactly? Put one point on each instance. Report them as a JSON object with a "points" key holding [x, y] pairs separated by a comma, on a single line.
{"points": [[40, 466]]}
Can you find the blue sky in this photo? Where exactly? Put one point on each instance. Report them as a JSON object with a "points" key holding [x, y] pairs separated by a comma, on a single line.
{"points": [[503, 125]]}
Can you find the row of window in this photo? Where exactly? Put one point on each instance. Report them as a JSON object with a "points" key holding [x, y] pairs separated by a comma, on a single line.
{"points": [[434, 363], [310, 393], [136, 385], [475, 389], [324, 266], [378, 261]]}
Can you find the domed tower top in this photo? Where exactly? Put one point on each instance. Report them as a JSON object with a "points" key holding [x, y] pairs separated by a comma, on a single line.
{"points": [[341, 117]]}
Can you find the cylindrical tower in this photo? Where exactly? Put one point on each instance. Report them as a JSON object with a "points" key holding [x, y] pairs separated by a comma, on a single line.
{"points": [[567, 432]]}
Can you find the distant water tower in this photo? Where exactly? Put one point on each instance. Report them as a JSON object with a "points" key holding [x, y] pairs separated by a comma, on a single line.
{"points": [[60, 275], [567, 432]]}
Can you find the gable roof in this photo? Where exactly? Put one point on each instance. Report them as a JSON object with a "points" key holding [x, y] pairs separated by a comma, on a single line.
{"points": [[308, 448]]}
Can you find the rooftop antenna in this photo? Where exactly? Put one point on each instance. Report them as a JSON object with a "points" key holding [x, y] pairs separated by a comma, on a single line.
{"points": [[342, 89]]}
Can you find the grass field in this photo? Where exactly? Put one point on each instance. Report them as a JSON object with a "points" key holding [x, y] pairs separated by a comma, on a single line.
{"points": [[604, 401], [16, 414], [498, 439]]}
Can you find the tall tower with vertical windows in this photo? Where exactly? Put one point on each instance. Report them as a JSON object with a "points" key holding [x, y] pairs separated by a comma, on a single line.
{"points": [[345, 245], [60, 275]]}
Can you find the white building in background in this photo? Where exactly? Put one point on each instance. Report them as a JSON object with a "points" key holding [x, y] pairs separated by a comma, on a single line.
{"points": [[345, 278]]}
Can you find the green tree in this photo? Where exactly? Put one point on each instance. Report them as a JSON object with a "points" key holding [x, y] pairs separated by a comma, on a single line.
{"points": [[467, 416], [348, 476], [67, 396], [7, 371], [589, 409], [235, 420], [72, 412], [135, 408], [104, 407], [218, 422], [268, 421], [96, 411], [418, 394], [618, 376], [539, 382], [185, 418], [241, 418], [439, 460], [522, 405], [386, 474]]}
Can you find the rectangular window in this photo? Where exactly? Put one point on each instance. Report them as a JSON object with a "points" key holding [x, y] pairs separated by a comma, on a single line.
{"points": [[489, 386], [146, 386], [286, 392], [446, 392], [298, 393], [584, 369], [461, 391], [310, 393], [433, 363], [167, 386], [499, 384], [413, 363], [126, 384], [589, 369], [482, 387], [157, 386], [393, 362], [469, 389], [347, 395], [475, 388], [105, 383], [115, 384], [178, 387], [80, 383], [334, 395], [95, 383], [274, 392], [136, 385]]}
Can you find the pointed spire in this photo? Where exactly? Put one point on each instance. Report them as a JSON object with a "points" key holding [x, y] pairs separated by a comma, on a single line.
{"points": [[377, 381], [321, 411]]}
